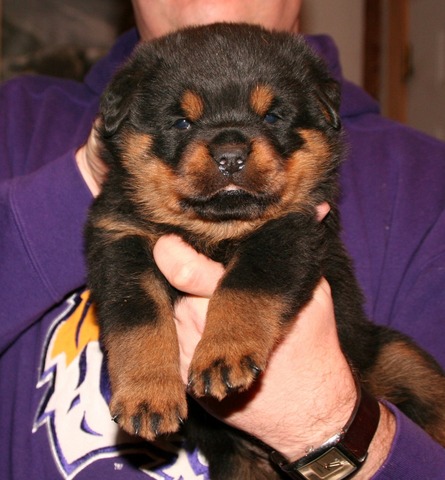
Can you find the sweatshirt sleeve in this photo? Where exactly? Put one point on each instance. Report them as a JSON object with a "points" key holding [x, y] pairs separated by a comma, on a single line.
{"points": [[394, 218], [41, 222], [414, 454], [43, 200]]}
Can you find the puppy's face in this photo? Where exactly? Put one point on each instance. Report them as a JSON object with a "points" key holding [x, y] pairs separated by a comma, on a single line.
{"points": [[224, 125]]}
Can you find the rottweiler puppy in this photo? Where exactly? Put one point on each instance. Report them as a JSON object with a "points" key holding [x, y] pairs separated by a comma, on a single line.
{"points": [[229, 136]]}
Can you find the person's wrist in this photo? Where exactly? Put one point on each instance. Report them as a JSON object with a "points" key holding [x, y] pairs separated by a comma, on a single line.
{"points": [[330, 408], [357, 450]]}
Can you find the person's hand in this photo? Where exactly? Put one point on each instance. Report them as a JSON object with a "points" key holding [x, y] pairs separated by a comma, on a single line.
{"points": [[307, 385], [91, 166], [307, 392]]}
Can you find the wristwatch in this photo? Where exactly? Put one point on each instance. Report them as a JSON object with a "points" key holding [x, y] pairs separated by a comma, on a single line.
{"points": [[342, 455]]}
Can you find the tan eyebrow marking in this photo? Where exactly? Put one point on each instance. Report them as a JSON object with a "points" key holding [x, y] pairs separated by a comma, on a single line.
{"points": [[261, 99], [192, 105]]}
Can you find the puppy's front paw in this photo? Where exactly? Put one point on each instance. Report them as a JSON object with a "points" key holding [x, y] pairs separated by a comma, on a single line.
{"points": [[220, 367], [149, 407], [147, 392]]}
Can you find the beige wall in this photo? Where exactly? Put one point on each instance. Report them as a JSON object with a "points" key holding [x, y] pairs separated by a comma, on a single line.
{"points": [[426, 85], [343, 20]]}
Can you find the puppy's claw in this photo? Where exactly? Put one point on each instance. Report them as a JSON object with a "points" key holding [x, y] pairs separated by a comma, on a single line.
{"points": [[256, 372], [115, 418], [207, 382], [255, 369], [154, 423], [190, 383], [225, 374], [136, 422]]}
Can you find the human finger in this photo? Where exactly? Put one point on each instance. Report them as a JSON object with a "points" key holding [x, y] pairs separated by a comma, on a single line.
{"points": [[91, 166], [322, 210], [185, 268]]}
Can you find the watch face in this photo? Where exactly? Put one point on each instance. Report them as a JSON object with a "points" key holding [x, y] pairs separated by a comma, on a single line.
{"points": [[331, 465]]}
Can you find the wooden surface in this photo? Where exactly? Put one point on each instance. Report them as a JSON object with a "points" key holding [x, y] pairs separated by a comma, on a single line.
{"points": [[398, 59]]}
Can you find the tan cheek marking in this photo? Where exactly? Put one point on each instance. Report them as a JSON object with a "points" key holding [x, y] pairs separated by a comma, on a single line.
{"points": [[306, 168], [135, 147], [197, 169], [152, 185], [293, 180], [261, 99], [264, 168], [192, 105], [154, 190]]}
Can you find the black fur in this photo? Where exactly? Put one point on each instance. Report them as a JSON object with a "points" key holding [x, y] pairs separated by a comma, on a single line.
{"points": [[229, 136]]}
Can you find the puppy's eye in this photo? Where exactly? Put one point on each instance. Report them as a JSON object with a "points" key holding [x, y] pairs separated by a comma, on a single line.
{"points": [[271, 118], [182, 124]]}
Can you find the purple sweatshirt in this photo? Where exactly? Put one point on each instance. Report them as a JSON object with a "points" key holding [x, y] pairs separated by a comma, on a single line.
{"points": [[54, 419]]}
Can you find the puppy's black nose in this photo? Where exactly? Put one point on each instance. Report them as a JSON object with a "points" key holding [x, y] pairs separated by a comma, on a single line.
{"points": [[231, 158]]}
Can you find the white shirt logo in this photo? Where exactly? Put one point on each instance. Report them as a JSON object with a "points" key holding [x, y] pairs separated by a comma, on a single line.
{"points": [[74, 406]]}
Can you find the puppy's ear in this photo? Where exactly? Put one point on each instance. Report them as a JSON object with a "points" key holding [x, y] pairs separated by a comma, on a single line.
{"points": [[328, 96], [122, 91], [117, 99]]}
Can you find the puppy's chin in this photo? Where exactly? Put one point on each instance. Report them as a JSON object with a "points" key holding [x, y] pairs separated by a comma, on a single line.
{"points": [[229, 204]]}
